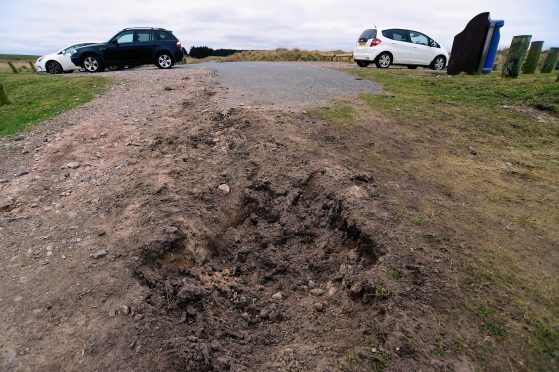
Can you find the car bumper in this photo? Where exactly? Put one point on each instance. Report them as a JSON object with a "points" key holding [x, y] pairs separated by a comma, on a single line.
{"points": [[365, 54], [179, 55], [40, 66]]}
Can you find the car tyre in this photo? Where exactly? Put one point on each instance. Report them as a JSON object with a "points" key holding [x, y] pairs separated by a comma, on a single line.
{"points": [[384, 60], [92, 63], [438, 63], [54, 67], [164, 60], [362, 63]]}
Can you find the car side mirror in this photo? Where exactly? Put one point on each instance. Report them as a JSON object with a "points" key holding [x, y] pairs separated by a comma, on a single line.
{"points": [[114, 41]]}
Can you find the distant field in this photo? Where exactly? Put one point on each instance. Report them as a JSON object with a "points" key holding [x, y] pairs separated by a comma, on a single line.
{"points": [[20, 61], [38, 97], [18, 57]]}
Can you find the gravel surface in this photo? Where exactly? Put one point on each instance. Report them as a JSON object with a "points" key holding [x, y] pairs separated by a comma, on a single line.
{"points": [[283, 85]]}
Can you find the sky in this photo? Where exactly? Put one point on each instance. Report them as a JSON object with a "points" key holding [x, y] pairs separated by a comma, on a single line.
{"points": [[40, 27]]}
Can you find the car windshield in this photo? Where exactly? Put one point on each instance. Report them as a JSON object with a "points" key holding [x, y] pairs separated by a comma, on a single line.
{"points": [[368, 35]]}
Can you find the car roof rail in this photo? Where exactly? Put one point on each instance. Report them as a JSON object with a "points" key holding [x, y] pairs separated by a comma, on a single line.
{"points": [[144, 28]]}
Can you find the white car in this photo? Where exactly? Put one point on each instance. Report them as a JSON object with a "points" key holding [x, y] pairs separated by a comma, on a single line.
{"points": [[398, 46], [59, 62]]}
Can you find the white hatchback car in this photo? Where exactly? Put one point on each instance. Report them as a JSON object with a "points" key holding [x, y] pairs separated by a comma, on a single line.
{"points": [[398, 46], [59, 62]]}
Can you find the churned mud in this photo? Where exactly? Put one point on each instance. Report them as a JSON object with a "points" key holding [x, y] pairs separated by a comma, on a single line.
{"points": [[153, 229]]}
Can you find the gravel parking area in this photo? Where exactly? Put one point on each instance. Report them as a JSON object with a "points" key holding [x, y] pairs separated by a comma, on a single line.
{"points": [[283, 84]]}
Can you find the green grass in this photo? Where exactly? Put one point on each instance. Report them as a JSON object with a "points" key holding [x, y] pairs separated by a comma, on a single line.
{"points": [[339, 113], [472, 104], [38, 97]]}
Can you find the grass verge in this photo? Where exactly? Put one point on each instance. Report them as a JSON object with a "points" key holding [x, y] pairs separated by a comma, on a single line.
{"points": [[38, 97], [488, 148]]}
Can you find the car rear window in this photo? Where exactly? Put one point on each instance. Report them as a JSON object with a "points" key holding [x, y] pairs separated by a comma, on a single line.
{"points": [[165, 35], [368, 35]]}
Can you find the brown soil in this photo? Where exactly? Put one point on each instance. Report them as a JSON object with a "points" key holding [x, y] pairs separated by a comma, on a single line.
{"points": [[191, 275]]}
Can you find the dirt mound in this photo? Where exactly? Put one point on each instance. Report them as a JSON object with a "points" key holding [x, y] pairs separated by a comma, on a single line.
{"points": [[170, 234]]}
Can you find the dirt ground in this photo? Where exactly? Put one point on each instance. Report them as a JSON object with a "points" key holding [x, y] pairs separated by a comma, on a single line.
{"points": [[152, 229]]}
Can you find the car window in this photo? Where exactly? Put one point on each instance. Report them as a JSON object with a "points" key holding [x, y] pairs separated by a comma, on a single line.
{"points": [[368, 35], [419, 38], [143, 37], [70, 50], [433, 43], [125, 37], [396, 34], [162, 35]]}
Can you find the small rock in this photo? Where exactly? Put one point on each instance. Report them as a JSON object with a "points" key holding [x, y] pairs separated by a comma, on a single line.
{"points": [[73, 165], [112, 313], [277, 296], [471, 150], [397, 109], [318, 306], [4, 180], [264, 313], [317, 292], [21, 171], [138, 317], [63, 257], [170, 230], [18, 298], [332, 291], [19, 138], [37, 311], [99, 254], [31, 253], [192, 338], [124, 310], [224, 189], [311, 284], [245, 315]]}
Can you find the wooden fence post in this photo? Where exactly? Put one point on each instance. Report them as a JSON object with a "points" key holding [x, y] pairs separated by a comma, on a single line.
{"points": [[533, 57], [3, 96], [517, 51], [32, 66], [551, 60], [14, 69]]}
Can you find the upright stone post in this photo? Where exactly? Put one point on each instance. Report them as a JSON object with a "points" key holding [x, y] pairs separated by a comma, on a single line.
{"points": [[551, 60], [533, 57], [14, 69], [3, 96], [32, 66], [517, 51]]}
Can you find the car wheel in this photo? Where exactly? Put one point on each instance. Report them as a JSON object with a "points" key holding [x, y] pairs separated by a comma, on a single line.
{"points": [[53, 67], [362, 63], [164, 60], [412, 67], [438, 63], [93, 63], [384, 60]]}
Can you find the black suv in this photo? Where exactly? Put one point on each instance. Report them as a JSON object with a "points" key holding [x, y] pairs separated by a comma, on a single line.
{"points": [[131, 46]]}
